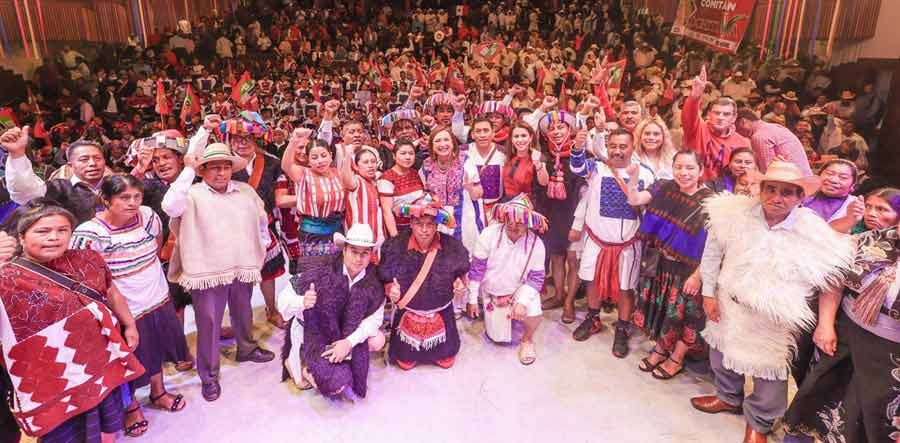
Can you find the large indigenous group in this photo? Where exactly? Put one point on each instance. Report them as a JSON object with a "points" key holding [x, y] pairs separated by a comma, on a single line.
{"points": [[483, 167]]}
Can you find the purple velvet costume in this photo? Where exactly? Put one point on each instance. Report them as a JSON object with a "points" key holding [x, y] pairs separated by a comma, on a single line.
{"points": [[339, 310], [402, 263]]}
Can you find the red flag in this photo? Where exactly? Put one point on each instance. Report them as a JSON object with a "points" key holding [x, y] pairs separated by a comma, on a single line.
{"points": [[240, 91], [162, 102], [539, 88], [453, 81], [421, 80], [190, 106], [616, 73], [8, 118]]}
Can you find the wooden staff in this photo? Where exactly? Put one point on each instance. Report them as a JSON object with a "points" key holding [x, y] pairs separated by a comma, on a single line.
{"points": [[799, 28], [833, 30]]}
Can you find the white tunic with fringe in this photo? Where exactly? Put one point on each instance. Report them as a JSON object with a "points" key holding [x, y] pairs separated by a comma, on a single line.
{"points": [[763, 278]]}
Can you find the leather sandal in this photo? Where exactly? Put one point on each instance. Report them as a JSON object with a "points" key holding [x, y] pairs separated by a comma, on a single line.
{"points": [[137, 428], [646, 366], [177, 404], [568, 315], [660, 373]]}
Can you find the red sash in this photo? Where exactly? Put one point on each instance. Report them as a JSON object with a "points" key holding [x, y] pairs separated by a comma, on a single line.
{"points": [[64, 358], [606, 273]]}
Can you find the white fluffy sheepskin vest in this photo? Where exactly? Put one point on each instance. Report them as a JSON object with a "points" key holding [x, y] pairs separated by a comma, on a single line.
{"points": [[766, 278]]}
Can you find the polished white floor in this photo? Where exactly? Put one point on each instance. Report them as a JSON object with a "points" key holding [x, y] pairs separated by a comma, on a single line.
{"points": [[575, 392]]}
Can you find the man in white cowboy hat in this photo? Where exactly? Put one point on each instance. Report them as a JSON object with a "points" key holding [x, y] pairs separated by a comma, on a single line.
{"points": [[316, 291], [763, 258], [737, 86], [771, 141], [508, 272], [209, 261]]}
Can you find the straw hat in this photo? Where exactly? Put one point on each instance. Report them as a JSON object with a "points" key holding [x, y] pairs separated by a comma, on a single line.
{"points": [[790, 95], [521, 210], [221, 151], [359, 234], [787, 172]]}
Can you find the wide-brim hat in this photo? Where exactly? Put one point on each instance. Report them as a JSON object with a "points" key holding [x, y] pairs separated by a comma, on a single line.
{"points": [[426, 205], [221, 151], [359, 235], [787, 172], [520, 210], [847, 95], [400, 114], [816, 111], [556, 117], [499, 107], [790, 95]]}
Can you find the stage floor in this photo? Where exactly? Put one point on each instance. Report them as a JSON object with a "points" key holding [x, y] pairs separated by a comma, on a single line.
{"points": [[574, 392]]}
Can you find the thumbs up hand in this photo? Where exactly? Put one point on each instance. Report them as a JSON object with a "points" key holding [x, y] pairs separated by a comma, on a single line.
{"points": [[309, 297]]}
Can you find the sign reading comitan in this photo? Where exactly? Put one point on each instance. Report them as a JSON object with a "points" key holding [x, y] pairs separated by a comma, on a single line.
{"points": [[717, 23]]}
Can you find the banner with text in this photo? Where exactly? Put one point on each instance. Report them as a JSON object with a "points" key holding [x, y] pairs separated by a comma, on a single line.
{"points": [[717, 23]]}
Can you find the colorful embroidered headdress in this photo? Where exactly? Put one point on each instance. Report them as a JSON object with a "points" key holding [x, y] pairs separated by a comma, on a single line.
{"points": [[520, 210], [426, 205]]}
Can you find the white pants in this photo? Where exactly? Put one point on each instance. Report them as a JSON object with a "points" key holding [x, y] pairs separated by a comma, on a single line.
{"points": [[629, 263]]}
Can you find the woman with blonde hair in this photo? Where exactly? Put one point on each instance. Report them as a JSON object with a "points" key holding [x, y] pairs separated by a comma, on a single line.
{"points": [[653, 146]]}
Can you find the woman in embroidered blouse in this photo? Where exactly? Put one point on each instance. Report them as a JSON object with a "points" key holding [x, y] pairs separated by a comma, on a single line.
{"points": [[401, 184], [358, 178], [321, 199], [852, 394], [669, 305], [128, 236], [654, 146], [446, 178], [524, 169]]}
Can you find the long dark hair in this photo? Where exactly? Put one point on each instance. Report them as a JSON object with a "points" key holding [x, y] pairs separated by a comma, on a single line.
{"points": [[115, 184]]}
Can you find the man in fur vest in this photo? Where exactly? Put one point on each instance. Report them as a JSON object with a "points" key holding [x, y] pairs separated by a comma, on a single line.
{"points": [[210, 261], [763, 259]]}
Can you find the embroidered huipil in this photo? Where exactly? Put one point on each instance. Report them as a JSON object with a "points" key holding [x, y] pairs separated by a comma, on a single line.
{"points": [[476, 213], [607, 212], [130, 253], [404, 189], [320, 197], [501, 267], [363, 206]]}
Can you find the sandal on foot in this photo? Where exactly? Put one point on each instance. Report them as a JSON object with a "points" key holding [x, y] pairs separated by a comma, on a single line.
{"points": [[527, 354], [568, 316], [551, 304], [137, 428], [177, 404], [646, 366], [660, 373], [307, 380], [184, 366]]}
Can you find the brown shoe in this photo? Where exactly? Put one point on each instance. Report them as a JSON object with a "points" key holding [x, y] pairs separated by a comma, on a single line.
{"points": [[751, 436], [711, 404]]}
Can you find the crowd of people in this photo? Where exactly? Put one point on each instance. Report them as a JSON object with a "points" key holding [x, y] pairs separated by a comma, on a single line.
{"points": [[409, 168]]}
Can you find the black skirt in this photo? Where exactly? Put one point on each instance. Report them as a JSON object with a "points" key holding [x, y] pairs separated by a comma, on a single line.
{"points": [[854, 395]]}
